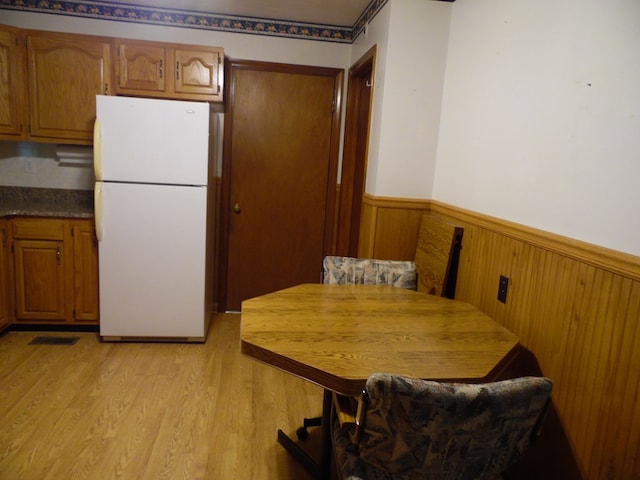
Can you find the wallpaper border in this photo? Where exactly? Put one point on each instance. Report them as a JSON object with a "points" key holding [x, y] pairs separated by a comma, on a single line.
{"points": [[198, 20]]}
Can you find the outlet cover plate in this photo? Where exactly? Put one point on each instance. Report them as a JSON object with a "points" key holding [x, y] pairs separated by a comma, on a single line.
{"points": [[503, 287]]}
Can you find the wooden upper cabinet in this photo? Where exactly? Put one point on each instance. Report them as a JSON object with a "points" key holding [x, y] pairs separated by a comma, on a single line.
{"points": [[199, 72], [49, 80], [12, 91], [140, 67], [66, 72], [164, 70]]}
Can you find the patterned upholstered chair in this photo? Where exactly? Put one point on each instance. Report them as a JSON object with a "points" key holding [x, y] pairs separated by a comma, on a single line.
{"points": [[348, 270], [433, 270], [416, 429]]}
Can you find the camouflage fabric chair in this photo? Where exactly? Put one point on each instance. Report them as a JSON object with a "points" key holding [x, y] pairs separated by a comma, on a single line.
{"points": [[415, 429], [348, 270]]}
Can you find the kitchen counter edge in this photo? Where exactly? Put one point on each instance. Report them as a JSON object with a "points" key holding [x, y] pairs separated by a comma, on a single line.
{"points": [[45, 202]]}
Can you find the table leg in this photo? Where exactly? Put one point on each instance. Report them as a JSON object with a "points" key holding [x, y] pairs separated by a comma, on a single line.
{"points": [[322, 470], [325, 459]]}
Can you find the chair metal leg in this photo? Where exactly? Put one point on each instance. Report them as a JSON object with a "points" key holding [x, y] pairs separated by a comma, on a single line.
{"points": [[321, 470], [325, 458], [302, 433], [299, 454]]}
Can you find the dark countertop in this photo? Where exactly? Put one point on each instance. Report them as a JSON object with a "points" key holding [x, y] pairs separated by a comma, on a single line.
{"points": [[45, 202]]}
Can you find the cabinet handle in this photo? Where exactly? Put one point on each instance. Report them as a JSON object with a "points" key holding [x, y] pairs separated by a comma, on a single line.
{"points": [[106, 89], [161, 68], [177, 70], [58, 253]]}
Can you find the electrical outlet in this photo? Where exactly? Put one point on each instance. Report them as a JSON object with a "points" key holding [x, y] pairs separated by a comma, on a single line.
{"points": [[29, 165], [503, 287]]}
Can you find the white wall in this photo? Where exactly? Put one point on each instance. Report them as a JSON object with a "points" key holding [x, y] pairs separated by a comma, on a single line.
{"points": [[49, 173], [541, 116], [376, 34], [236, 45], [412, 98], [24, 164], [411, 36], [539, 121]]}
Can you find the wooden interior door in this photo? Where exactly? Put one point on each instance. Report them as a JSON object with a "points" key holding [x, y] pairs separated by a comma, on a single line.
{"points": [[355, 155], [279, 176]]}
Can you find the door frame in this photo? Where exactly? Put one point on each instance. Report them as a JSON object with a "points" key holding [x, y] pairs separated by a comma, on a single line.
{"points": [[334, 150], [354, 157]]}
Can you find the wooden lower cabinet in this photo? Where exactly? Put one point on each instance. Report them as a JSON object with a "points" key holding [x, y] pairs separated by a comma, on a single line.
{"points": [[85, 272], [5, 307], [55, 271], [39, 280]]}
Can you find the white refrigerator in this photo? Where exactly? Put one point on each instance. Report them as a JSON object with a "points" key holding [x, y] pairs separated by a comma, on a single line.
{"points": [[151, 162]]}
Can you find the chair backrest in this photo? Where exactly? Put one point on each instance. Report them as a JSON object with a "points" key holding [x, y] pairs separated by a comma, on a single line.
{"points": [[437, 256], [422, 429], [346, 270]]}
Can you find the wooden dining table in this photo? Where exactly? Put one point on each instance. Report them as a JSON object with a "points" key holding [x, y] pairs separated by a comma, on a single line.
{"points": [[336, 336]]}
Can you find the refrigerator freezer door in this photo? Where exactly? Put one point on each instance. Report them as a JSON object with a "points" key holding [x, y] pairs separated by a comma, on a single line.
{"points": [[97, 150], [152, 261], [97, 205], [152, 141]]}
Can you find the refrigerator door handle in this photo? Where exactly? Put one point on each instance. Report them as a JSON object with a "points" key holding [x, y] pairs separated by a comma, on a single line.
{"points": [[97, 149], [97, 199]]}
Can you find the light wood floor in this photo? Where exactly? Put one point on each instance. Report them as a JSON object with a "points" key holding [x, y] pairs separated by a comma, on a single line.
{"points": [[146, 411]]}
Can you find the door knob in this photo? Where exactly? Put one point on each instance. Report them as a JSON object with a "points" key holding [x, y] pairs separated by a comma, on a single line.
{"points": [[236, 207]]}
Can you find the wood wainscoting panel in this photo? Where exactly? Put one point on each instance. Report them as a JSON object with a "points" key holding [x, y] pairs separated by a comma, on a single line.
{"points": [[389, 227], [367, 229], [575, 308]]}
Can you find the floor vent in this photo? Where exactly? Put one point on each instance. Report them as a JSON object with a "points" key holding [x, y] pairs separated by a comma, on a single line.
{"points": [[53, 340]]}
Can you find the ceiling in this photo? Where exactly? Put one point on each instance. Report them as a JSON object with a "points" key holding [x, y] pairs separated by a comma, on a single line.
{"points": [[327, 12]]}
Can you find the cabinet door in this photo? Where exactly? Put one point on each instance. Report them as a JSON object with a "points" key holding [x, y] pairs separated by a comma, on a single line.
{"points": [[141, 67], [5, 311], [199, 72], [66, 72], [12, 107], [85, 272], [39, 280]]}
